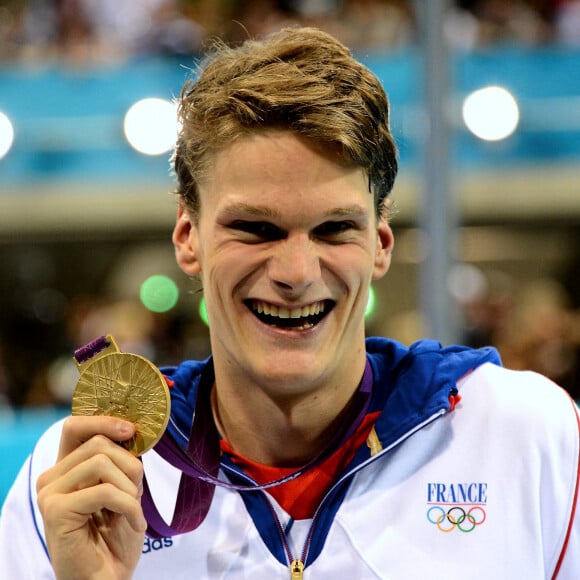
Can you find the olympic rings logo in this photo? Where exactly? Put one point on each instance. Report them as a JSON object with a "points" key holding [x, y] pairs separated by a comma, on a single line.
{"points": [[456, 517]]}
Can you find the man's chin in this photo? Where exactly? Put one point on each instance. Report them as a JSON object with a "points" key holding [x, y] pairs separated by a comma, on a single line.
{"points": [[290, 375]]}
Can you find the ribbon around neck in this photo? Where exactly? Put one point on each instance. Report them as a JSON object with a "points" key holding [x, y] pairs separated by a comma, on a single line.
{"points": [[200, 464]]}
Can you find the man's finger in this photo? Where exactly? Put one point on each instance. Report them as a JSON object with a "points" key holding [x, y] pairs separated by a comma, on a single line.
{"points": [[77, 430]]}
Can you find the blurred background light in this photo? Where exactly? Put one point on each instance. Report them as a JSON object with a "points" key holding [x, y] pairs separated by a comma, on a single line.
{"points": [[6, 134], [159, 293], [491, 113], [466, 283], [203, 311], [151, 126], [371, 303]]}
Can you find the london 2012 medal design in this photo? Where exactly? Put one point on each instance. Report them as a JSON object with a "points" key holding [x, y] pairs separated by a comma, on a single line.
{"points": [[122, 385]]}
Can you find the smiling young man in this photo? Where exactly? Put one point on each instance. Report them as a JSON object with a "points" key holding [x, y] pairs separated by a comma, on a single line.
{"points": [[286, 244], [302, 448]]}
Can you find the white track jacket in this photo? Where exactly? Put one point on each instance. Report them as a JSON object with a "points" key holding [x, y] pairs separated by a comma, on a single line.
{"points": [[485, 490]]}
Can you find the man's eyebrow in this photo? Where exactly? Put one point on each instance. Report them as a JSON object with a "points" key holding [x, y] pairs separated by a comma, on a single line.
{"points": [[241, 208], [354, 211], [350, 211]]}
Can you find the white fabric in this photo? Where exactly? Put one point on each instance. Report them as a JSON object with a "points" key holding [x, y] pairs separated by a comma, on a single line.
{"points": [[511, 445]]}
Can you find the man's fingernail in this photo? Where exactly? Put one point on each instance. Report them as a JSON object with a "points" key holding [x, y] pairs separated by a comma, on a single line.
{"points": [[124, 428]]}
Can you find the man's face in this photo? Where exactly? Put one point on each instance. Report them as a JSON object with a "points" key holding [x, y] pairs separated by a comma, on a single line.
{"points": [[286, 245]]}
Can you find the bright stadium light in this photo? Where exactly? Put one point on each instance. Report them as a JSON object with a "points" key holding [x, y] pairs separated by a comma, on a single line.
{"points": [[6, 134], [491, 113], [151, 126]]}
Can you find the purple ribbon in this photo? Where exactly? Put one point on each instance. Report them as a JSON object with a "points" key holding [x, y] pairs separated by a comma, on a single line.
{"points": [[200, 464], [84, 353]]}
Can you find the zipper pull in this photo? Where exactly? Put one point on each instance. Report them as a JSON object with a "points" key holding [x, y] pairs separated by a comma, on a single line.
{"points": [[296, 570]]}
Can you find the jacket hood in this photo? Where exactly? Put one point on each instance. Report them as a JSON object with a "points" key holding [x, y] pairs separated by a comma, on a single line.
{"points": [[413, 383], [410, 383]]}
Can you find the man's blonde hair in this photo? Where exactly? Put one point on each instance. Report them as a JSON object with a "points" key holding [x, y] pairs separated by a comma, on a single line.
{"points": [[298, 79]]}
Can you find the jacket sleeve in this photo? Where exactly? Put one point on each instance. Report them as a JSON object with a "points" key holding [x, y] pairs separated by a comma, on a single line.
{"points": [[568, 567], [23, 552]]}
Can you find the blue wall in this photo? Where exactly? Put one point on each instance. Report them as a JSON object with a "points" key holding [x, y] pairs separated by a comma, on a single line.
{"points": [[19, 431], [68, 122]]}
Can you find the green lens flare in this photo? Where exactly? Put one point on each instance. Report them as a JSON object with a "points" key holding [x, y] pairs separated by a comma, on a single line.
{"points": [[371, 303], [159, 293], [203, 312]]}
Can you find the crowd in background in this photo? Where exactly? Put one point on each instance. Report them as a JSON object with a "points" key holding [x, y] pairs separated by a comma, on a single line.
{"points": [[96, 31], [535, 326]]}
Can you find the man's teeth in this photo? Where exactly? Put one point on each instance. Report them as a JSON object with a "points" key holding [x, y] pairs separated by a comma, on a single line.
{"points": [[283, 312]]}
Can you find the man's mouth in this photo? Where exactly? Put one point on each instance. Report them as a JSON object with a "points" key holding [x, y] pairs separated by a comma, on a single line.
{"points": [[299, 318]]}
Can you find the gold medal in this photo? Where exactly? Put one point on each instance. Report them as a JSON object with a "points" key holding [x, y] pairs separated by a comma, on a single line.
{"points": [[122, 385]]}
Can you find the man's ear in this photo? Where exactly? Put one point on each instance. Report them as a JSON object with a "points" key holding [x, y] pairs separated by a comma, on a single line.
{"points": [[385, 243], [186, 242]]}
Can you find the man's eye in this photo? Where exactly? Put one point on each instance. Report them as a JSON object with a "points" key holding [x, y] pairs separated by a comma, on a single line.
{"points": [[260, 230], [333, 228]]}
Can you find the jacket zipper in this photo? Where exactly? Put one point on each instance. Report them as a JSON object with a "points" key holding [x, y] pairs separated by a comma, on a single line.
{"points": [[296, 570], [297, 565], [351, 473]]}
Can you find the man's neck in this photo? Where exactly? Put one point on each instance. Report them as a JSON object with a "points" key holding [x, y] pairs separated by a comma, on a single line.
{"points": [[283, 432]]}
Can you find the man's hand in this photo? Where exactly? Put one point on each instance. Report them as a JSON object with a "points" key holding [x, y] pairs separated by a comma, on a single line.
{"points": [[90, 501]]}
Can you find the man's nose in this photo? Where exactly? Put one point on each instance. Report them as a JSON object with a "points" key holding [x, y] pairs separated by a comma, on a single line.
{"points": [[295, 264]]}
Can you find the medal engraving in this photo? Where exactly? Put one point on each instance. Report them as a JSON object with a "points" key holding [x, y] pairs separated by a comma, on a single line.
{"points": [[127, 386]]}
